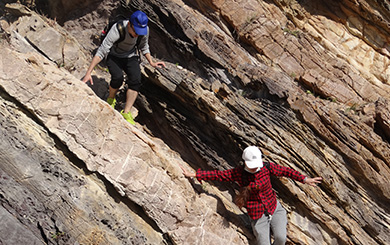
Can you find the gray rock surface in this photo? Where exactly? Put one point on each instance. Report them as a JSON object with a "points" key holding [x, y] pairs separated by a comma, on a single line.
{"points": [[141, 168], [306, 81], [49, 197]]}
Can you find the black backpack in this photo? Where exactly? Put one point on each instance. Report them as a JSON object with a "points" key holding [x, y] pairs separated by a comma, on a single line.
{"points": [[120, 26], [121, 29]]}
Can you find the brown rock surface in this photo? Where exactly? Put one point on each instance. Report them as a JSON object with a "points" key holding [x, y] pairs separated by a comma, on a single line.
{"points": [[306, 81]]}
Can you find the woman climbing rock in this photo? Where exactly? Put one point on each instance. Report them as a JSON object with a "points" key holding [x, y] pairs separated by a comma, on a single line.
{"points": [[256, 193]]}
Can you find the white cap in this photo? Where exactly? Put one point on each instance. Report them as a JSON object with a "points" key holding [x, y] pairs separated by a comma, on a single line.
{"points": [[252, 157]]}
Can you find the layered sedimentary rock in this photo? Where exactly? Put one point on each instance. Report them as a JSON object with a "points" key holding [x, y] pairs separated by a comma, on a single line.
{"points": [[306, 81]]}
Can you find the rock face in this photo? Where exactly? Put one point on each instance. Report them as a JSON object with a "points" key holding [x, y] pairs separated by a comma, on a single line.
{"points": [[46, 198], [306, 81]]}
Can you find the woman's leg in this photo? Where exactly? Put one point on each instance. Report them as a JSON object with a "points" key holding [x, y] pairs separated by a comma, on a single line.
{"points": [[279, 225], [261, 230]]}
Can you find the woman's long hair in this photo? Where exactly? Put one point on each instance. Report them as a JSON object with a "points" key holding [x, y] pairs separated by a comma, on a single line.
{"points": [[243, 196]]}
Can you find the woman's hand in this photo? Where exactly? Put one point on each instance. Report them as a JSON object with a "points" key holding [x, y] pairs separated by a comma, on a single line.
{"points": [[313, 181], [186, 173]]}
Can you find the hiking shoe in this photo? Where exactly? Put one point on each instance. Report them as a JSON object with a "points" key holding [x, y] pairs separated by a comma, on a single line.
{"points": [[128, 117], [111, 102]]}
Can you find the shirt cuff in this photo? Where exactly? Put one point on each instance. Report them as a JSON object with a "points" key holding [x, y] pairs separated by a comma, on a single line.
{"points": [[198, 175]]}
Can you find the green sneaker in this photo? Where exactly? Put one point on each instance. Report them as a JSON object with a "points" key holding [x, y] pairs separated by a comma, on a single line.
{"points": [[128, 117], [111, 102]]}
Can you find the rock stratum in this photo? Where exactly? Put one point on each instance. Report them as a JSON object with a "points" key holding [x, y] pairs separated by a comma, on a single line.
{"points": [[306, 81]]}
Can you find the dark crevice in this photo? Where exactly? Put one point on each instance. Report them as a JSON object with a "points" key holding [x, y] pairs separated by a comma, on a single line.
{"points": [[39, 51], [181, 123], [41, 230], [381, 130]]}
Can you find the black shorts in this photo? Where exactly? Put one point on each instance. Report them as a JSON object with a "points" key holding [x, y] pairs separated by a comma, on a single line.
{"points": [[130, 66]]}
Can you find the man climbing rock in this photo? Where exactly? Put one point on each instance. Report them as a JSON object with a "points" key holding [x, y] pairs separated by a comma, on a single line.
{"points": [[123, 56]]}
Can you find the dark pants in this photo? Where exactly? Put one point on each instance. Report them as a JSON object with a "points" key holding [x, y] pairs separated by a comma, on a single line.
{"points": [[130, 66]]}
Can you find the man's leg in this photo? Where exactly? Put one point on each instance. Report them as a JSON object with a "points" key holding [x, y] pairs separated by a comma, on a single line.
{"points": [[261, 230], [112, 92], [131, 95], [279, 225], [115, 68], [133, 72]]}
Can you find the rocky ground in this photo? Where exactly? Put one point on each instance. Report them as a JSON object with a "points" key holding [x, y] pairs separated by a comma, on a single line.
{"points": [[306, 81]]}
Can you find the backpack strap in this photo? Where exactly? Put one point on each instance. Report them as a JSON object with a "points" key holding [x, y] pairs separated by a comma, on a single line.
{"points": [[119, 21], [268, 166], [244, 177], [138, 49], [137, 44], [122, 31]]}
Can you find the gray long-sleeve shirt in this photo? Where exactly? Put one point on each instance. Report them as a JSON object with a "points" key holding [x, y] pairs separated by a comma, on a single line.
{"points": [[124, 49]]}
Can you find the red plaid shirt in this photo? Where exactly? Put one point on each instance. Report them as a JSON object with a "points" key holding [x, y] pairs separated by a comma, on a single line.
{"points": [[262, 197]]}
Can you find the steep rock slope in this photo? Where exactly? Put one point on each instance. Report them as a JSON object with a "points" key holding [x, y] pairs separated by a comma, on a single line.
{"points": [[306, 81], [46, 198]]}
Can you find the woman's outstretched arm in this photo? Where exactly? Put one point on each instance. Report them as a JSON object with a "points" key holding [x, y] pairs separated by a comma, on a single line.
{"points": [[228, 175]]}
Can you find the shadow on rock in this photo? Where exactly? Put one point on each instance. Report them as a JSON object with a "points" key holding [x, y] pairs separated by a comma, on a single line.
{"points": [[99, 87], [239, 220]]}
